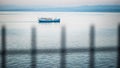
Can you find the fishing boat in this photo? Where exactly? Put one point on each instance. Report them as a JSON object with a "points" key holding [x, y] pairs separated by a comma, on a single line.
{"points": [[49, 20]]}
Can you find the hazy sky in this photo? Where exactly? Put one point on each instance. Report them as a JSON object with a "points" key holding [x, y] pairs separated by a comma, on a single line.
{"points": [[59, 2]]}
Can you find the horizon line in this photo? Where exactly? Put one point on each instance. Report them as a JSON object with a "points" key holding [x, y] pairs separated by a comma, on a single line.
{"points": [[83, 8]]}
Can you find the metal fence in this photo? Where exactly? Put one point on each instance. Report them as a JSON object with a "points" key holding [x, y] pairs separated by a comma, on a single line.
{"points": [[63, 50]]}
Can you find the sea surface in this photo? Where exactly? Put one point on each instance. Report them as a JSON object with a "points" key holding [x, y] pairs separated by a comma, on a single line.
{"points": [[48, 36]]}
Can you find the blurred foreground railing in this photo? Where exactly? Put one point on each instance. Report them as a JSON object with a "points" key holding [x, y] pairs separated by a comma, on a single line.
{"points": [[63, 50]]}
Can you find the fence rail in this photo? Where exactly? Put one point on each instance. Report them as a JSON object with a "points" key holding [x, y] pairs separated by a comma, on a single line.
{"points": [[63, 50]]}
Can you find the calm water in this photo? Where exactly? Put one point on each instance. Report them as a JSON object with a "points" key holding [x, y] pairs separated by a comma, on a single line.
{"points": [[48, 37]]}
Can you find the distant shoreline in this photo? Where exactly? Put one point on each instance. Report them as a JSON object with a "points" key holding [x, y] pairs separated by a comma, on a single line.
{"points": [[94, 8]]}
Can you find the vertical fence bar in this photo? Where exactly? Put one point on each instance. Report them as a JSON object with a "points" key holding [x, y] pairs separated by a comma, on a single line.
{"points": [[3, 47], [92, 47], [33, 49], [63, 48], [118, 48]]}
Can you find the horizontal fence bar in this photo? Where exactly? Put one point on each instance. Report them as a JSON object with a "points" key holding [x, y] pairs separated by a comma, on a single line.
{"points": [[68, 50]]}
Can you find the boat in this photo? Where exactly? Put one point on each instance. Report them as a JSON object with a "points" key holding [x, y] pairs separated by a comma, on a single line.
{"points": [[49, 20]]}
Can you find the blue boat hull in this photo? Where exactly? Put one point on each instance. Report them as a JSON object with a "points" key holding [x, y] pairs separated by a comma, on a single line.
{"points": [[49, 21]]}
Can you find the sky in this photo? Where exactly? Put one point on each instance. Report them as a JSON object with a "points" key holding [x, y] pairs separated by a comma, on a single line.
{"points": [[58, 2], [61, 5]]}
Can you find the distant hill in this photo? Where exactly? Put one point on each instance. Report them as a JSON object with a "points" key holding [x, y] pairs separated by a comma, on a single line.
{"points": [[93, 8]]}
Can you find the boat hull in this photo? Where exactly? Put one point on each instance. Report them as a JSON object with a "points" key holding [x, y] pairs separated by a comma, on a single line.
{"points": [[50, 21]]}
